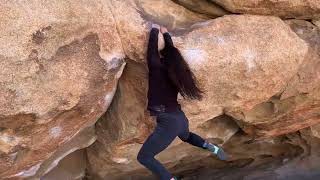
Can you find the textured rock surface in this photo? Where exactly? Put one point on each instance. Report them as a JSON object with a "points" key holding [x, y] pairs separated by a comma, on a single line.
{"points": [[82, 140], [300, 163], [246, 55], [317, 22], [245, 74], [59, 69], [307, 78], [305, 9], [60, 65], [298, 105], [71, 167], [114, 153], [203, 7]]}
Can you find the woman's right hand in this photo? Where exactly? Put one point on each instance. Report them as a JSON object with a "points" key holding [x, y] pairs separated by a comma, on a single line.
{"points": [[163, 29]]}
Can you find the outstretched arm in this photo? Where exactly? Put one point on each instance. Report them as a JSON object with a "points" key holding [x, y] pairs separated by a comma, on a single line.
{"points": [[167, 39], [167, 50], [153, 57], [166, 36]]}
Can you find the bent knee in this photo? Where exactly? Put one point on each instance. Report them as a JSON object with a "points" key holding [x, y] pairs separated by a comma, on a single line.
{"points": [[184, 137], [142, 157]]}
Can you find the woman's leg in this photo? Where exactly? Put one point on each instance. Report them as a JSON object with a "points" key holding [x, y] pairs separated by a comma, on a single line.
{"points": [[164, 133], [196, 140], [192, 139], [187, 136]]}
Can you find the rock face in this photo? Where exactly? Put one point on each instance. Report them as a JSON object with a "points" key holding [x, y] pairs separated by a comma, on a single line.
{"points": [[302, 9], [305, 9], [59, 68], [203, 7], [74, 76], [246, 54], [71, 167], [297, 106]]}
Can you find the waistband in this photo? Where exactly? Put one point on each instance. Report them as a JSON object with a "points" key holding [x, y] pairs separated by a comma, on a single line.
{"points": [[156, 109]]}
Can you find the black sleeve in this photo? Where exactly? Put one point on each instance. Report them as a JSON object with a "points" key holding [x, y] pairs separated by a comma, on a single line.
{"points": [[167, 39], [153, 56], [166, 50]]}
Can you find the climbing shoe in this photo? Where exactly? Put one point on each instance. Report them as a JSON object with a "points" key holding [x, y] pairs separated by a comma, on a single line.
{"points": [[175, 178], [216, 150]]}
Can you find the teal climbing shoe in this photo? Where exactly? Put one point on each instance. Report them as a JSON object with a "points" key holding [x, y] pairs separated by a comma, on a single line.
{"points": [[216, 150]]}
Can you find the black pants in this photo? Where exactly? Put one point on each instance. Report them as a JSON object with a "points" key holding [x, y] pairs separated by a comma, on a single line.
{"points": [[169, 126]]}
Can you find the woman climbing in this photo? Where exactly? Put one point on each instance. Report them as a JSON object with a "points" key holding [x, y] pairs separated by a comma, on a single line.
{"points": [[169, 75]]}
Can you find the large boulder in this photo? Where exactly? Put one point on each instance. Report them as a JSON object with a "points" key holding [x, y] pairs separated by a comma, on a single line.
{"points": [[133, 25], [248, 62], [316, 22], [246, 55], [247, 58], [292, 156], [205, 7], [297, 106], [303, 9], [60, 62]]}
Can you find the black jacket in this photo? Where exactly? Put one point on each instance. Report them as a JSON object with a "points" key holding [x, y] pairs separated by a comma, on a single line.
{"points": [[161, 89]]}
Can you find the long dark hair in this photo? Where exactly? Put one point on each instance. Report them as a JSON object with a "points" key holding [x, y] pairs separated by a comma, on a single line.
{"points": [[180, 74]]}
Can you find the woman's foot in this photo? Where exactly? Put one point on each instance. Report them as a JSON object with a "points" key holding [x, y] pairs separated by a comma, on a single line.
{"points": [[216, 150]]}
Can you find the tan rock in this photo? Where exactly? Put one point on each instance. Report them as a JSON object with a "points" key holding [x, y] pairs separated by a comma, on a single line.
{"points": [[292, 156], [219, 129], [298, 105], [203, 7], [142, 13], [120, 134], [276, 117], [214, 39], [68, 161], [168, 14], [71, 167], [59, 62], [308, 77], [37, 137], [47, 25], [125, 124], [239, 61], [315, 130], [306, 9], [236, 75], [317, 22]]}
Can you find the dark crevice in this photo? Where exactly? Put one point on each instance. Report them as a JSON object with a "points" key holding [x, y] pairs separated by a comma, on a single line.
{"points": [[212, 16], [39, 36], [110, 124], [220, 6], [166, 21], [306, 145], [222, 121], [176, 31], [312, 22]]}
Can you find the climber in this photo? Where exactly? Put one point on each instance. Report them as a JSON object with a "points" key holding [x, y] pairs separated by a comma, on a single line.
{"points": [[168, 75]]}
